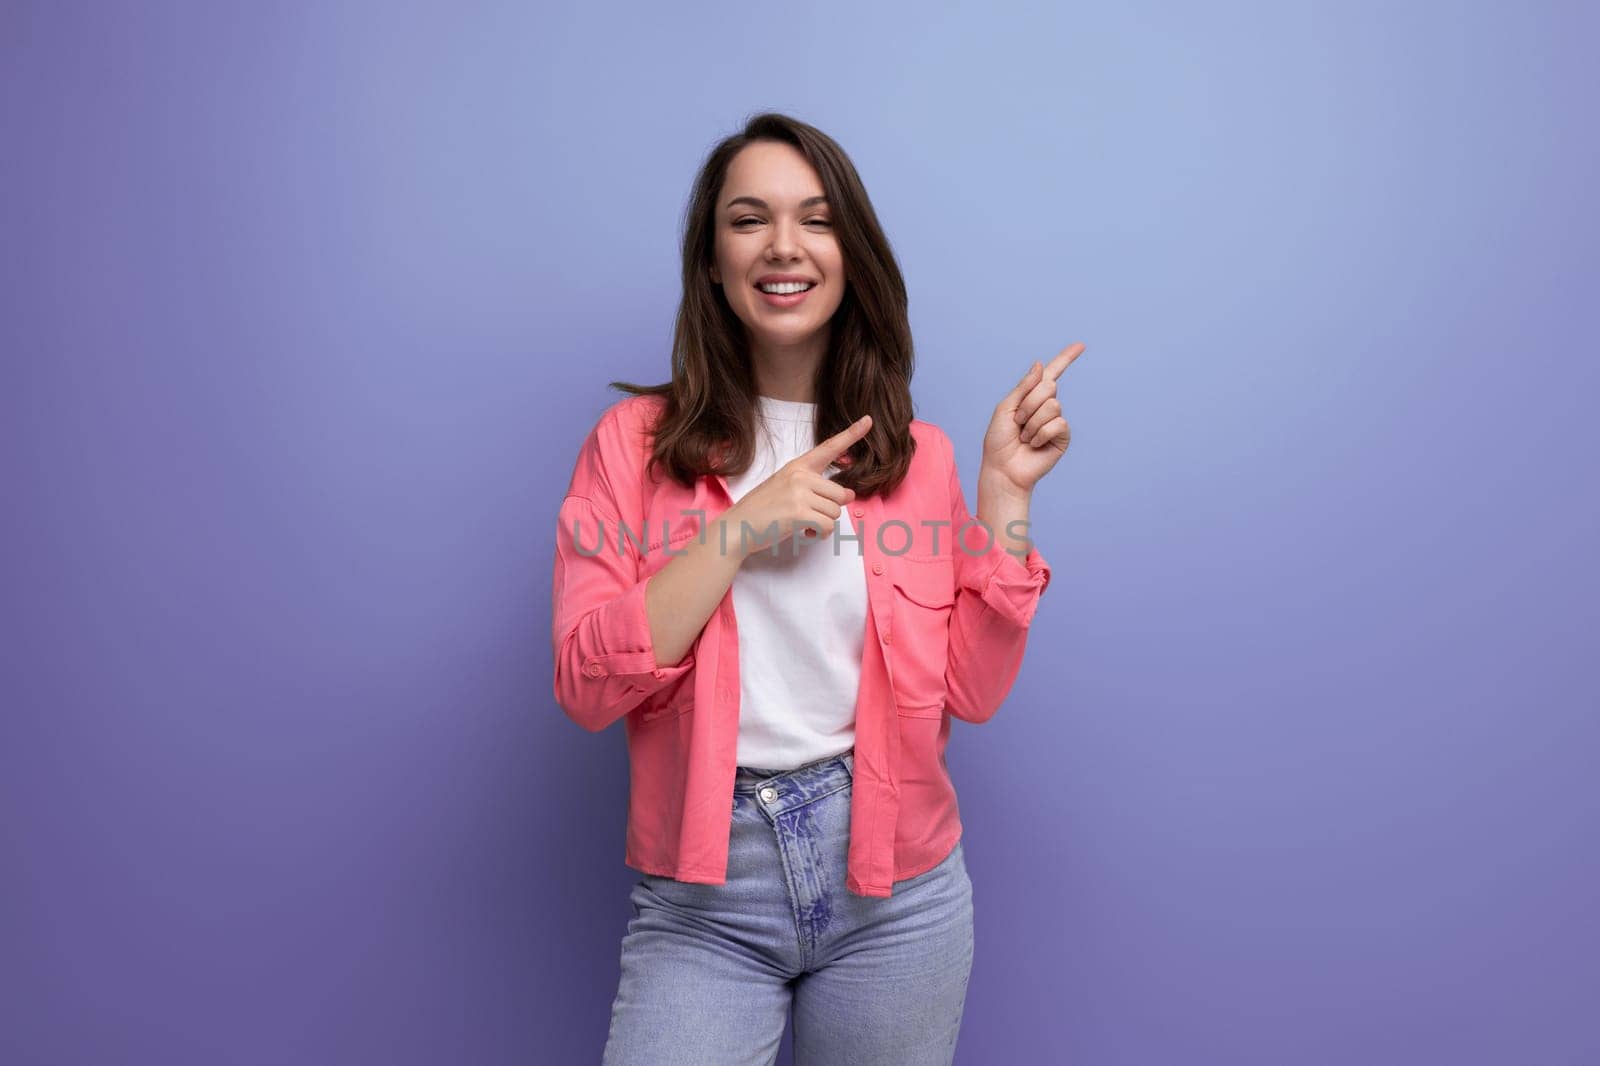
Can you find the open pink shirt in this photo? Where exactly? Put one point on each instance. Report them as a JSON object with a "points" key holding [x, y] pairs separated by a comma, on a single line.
{"points": [[946, 628]]}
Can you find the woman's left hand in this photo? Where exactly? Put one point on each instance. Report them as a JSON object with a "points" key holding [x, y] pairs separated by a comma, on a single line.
{"points": [[1027, 434]]}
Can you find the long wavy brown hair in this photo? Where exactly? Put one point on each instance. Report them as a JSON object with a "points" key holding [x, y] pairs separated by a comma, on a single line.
{"points": [[708, 423]]}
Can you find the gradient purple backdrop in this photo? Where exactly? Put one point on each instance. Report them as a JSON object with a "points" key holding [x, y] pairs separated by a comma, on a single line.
{"points": [[306, 310]]}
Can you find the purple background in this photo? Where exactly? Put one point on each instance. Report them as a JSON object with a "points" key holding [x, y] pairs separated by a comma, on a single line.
{"points": [[306, 310]]}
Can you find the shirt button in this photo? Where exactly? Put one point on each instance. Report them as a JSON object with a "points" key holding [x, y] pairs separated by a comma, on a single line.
{"points": [[877, 568], [594, 670], [888, 638], [857, 512], [769, 794]]}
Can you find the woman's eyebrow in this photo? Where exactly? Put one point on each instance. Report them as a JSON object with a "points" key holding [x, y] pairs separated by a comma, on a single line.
{"points": [[757, 202]]}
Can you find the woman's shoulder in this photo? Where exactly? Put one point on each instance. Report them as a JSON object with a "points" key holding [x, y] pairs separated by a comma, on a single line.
{"points": [[627, 424], [617, 445], [632, 412], [933, 444], [923, 431]]}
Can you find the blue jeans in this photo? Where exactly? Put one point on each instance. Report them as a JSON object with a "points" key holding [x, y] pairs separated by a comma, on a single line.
{"points": [[710, 972]]}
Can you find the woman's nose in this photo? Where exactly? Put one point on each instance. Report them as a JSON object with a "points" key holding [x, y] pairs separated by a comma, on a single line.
{"points": [[783, 241]]}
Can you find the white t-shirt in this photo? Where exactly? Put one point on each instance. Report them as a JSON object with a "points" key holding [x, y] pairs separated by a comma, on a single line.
{"points": [[801, 615]]}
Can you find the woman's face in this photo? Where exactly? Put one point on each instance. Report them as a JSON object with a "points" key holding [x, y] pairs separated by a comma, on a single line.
{"points": [[772, 219]]}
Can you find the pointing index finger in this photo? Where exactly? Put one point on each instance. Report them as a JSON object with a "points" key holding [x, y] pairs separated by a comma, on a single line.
{"points": [[820, 457], [1055, 367]]}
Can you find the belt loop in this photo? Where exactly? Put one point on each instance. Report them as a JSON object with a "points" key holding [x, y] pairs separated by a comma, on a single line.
{"points": [[849, 758]]}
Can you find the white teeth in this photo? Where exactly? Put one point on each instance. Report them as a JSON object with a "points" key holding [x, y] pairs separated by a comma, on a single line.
{"points": [[783, 288]]}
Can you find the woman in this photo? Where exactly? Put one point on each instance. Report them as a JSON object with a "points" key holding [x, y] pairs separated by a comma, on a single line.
{"points": [[767, 570]]}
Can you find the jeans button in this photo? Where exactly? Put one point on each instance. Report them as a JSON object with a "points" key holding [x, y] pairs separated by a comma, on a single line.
{"points": [[769, 794]]}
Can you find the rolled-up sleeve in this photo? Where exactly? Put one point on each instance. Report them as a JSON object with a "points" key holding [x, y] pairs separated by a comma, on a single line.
{"points": [[996, 597], [603, 654]]}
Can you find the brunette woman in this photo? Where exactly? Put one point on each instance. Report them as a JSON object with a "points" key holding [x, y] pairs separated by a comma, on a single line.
{"points": [[766, 568]]}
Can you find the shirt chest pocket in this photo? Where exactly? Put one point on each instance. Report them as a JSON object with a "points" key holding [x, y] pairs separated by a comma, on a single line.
{"points": [[924, 597]]}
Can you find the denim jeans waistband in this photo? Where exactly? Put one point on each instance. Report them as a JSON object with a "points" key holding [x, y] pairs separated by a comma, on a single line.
{"points": [[747, 779]]}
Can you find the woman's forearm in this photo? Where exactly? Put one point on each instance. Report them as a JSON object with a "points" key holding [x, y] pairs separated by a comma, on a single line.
{"points": [[681, 595], [999, 505]]}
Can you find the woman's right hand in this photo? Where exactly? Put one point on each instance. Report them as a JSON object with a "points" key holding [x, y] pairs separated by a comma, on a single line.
{"points": [[797, 492]]}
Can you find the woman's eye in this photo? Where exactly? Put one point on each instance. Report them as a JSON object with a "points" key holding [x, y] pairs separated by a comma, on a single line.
{"points": [[809, 221]]}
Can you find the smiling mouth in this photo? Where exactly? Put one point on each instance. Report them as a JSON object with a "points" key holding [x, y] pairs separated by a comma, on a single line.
{"points": [[784, 301]]}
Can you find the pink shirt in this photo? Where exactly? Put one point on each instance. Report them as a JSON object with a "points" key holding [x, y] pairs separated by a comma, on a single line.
{"points": [[947, 625]]}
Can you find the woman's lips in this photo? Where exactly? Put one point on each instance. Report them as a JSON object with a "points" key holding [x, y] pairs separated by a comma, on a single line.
{"points": [[788, 299]]}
